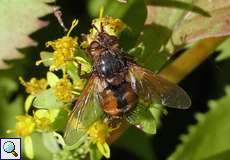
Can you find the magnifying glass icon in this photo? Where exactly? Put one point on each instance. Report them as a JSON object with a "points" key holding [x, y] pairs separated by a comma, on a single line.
{"points": [[9, 147]]}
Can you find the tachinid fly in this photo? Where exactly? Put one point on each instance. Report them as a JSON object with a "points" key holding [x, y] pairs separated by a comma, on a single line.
{"points": [[117, 83]]}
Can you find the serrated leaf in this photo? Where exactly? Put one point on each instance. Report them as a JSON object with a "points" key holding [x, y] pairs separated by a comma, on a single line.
{"points": [[47, 100], [18, 20], [210, 135]]}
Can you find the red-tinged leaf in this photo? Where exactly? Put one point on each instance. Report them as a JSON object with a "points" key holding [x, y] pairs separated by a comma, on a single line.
{"points": [[172, 24], [18, 19], [199, 27]]}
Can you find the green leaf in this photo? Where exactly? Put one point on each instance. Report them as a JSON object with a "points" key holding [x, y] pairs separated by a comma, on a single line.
{"points": [[143, 119], [104, 149], [40, 151], [220, 156], [46, 99], [153, 39], [9, 110], [225, 50], [50, 142], [158, 30], [94, 153], [72, 72], [60, 121], [52, 79], [46, 58], [28, 102], [210, 135], [18, 23], [85, 65]]}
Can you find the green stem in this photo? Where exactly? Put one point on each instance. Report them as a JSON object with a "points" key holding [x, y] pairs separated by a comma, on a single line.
{"points": [[180, 68]]}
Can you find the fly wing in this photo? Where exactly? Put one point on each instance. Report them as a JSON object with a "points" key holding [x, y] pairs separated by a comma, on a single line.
{"points": [[86, 111], [152, 88]]}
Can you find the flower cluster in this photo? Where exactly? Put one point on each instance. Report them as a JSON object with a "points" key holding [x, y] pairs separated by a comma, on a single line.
{"points": [[64, 51], [110, 25], [63, 90], [41, 121], [98, 134], [34, 86]]}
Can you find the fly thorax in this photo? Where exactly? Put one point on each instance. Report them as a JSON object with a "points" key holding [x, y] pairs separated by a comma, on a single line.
{"points": [[110, 65]]}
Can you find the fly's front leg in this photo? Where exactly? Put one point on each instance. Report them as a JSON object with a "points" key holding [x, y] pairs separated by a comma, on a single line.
{"points": [[82, 76], [78, 65]]}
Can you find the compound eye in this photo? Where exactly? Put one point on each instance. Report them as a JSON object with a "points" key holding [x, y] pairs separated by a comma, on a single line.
{"points": [[94, 45]]}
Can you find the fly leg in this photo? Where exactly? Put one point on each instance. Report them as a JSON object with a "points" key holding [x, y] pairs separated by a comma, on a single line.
{"points": [[78, 65], [82, 76]]}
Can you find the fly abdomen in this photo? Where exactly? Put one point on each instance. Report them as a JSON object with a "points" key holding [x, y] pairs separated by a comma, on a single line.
{"points": [[117, 100]]}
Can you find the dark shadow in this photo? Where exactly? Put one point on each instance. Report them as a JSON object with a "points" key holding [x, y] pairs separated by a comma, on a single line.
{"points": [[222, 77]]}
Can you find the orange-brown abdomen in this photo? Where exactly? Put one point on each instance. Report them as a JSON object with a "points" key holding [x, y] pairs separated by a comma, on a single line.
{"points": [[117, 100]]}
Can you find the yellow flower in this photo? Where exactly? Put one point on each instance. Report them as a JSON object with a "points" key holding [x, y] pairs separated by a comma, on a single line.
{"points": [[64, 49], [63, 90], [99, 132], [25, 125], [110, 25], [34, 86], [44, 119], [43, 124]]}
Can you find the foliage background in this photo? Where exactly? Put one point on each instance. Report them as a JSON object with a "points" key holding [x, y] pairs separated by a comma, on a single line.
{"points": [[204, 127]]}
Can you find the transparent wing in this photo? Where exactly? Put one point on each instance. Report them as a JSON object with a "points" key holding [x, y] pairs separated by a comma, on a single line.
{"points": [[152, 88], [86, 111]]}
